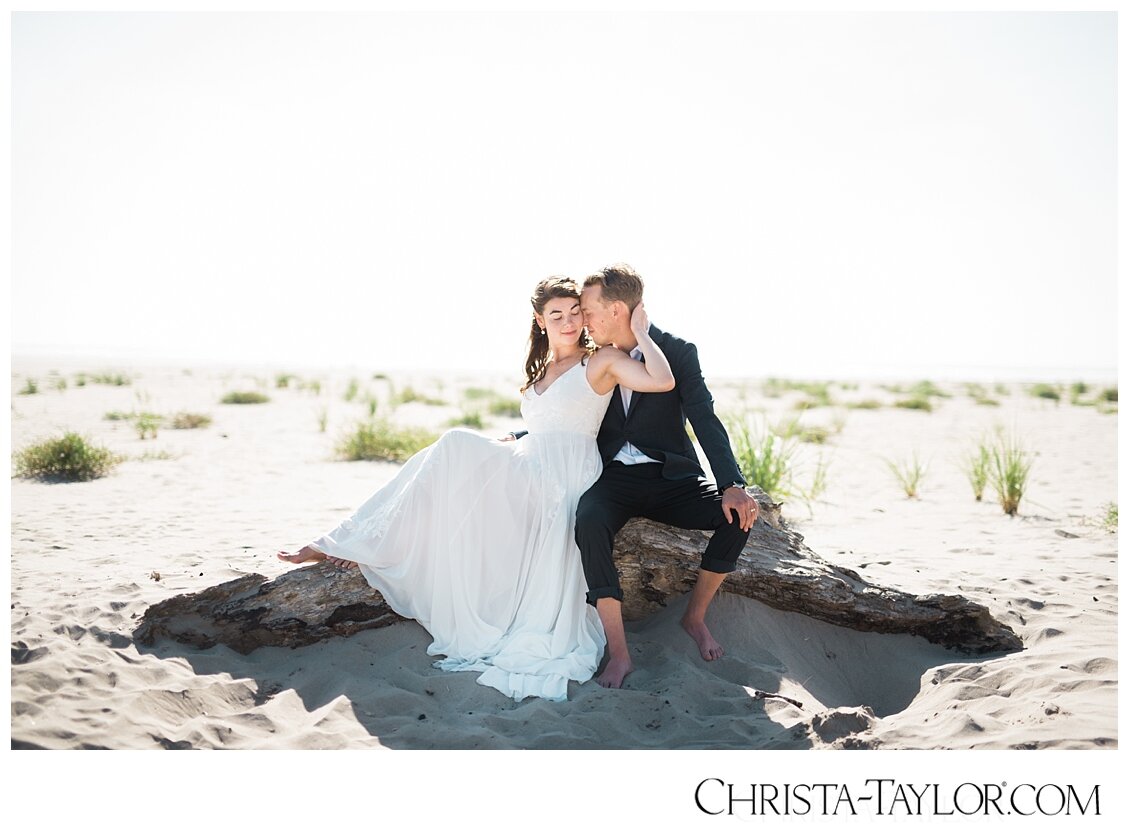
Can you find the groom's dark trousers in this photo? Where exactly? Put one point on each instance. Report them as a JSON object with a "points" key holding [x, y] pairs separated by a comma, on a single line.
{"points": [[674, 490]]}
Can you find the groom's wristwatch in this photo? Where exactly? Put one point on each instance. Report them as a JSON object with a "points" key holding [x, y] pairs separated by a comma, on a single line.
{"points": [[737, 484]]}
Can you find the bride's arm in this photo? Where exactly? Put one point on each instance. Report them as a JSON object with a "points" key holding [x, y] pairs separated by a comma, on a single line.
{"points": [[650, 376]]}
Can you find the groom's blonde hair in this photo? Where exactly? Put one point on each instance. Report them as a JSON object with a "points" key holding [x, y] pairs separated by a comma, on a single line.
{"points": [[619, 282]]}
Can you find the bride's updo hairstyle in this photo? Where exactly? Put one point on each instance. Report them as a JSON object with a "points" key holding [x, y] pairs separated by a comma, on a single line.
{"points": [[537, 361]]}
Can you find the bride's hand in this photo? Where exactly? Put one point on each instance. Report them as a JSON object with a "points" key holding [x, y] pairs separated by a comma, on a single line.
{"points": [[640, 323]]}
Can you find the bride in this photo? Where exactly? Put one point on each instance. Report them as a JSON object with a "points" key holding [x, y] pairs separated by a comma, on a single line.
{"points": [[473, 538]]}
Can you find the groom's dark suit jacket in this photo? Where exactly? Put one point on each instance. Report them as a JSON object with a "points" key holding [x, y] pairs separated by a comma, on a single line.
{"points": [[656, 422]]}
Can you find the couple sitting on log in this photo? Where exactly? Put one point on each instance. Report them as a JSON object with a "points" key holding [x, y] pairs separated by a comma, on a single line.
{"points": [[502, 549]]}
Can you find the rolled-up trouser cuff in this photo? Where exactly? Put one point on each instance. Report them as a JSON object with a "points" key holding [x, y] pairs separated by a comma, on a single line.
{"points": [[716, 565], [605, 591]]}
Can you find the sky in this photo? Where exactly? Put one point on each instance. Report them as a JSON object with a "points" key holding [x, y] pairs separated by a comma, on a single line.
{"points": [[819, 195]]}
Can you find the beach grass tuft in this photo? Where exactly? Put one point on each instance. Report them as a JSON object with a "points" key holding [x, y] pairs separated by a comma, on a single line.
{"points": [[156, 454], [1045, 391], [910, 472], [927, 390], [765, 459], [865, 405], [1110, 520], [244, 397], [31, 387], [379, 439], [1009, 470], [70, 457], [977, 465], [818, 484], [146, 424], [410, 394], [979, 394]]}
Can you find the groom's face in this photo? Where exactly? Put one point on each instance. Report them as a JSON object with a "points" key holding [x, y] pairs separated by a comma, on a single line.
{"points": [[597, 314]]}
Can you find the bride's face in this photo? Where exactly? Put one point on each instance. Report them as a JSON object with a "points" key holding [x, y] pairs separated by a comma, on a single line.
{"points": [[562, 321]]}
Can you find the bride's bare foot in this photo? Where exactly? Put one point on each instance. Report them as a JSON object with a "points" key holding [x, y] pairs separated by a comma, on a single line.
{"points": [[614, 673], [707, 646], [308, 554]]}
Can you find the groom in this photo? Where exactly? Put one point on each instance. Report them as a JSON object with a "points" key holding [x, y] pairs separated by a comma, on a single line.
{"points": [[651, 470]]}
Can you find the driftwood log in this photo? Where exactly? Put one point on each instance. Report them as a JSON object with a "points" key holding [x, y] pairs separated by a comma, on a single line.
{"points": [[656, 564]]}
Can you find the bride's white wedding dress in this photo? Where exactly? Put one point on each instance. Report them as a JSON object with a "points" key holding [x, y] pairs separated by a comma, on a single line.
{"points": [[474, 539]]}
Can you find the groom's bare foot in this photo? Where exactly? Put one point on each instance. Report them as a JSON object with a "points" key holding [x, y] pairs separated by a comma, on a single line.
{"points": [[614, 673], [308, 554], [707, 646]]}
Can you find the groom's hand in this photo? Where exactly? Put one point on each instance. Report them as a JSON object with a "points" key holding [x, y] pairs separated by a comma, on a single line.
{"points": [[736, 502]]}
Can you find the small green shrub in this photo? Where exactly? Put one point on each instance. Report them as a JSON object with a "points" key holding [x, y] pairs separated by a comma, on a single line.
{"points": [[380, 440], [30, 387], [1109, 394], [283, 380], [503, 407], [68, 458], [1111, 516], [915, 403], [80, 380], [470, 419], [244, 397], [865, 405], [114, 379], [475, 393], [185, 420], [323, 418], [1045, 391], [352, 389]]}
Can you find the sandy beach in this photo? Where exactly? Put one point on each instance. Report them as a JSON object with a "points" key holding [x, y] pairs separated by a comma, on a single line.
{"points": [[192, 508]]}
